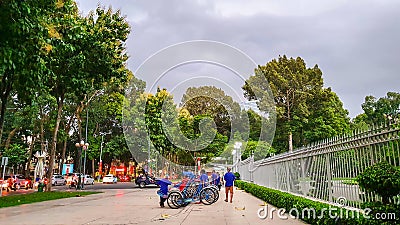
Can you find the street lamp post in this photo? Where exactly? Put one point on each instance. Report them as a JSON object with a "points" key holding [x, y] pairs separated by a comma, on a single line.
{"points": [[148, 155], [83, 146], [237, 155], [101, 153], [86, 145]]}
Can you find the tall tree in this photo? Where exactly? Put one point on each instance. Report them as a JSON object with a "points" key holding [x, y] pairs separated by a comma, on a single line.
{"points": [[179, 137], [17, 155], [212, 101], [327, 117], [22, 44], [106, 117], [377, 111], [291, 83], [255, 125], [83, 54]]}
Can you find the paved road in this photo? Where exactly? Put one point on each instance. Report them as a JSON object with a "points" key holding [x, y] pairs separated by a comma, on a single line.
{"points": [[137, 206], [101, 186], [17, 192], [96, 186]]}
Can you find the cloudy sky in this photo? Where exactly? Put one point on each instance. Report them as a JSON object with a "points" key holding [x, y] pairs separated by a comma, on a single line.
{"points": [[355, 43]]}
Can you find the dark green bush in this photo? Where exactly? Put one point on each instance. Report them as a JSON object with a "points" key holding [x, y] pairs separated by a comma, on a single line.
{"points": [[237, 175], [382, 179], [288, 201], [391, 213]]}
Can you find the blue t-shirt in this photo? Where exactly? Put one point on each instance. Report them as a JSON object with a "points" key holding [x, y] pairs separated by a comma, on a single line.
{"points": [[163, 187], [229, 178], [214, 178], [204, 177]]}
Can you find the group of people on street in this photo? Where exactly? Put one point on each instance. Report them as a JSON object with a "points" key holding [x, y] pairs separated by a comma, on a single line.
{"points": [[228, 179]]}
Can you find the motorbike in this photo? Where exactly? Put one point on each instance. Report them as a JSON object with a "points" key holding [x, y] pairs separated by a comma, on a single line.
{"points": [[73, 184]]}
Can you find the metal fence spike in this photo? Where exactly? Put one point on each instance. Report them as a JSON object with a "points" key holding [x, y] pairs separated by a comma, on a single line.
{"points": [[323, 168]]}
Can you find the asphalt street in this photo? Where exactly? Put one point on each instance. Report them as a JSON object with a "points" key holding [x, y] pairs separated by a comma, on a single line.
{"points": [[124, 203], [96, 186]]}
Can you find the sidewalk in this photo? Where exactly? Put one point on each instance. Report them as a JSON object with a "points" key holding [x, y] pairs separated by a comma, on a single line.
{"points": [[138, 206], [243, 210]]}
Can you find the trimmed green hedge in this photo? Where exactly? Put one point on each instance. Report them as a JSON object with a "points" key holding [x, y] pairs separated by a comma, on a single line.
{"points": [[288, 201]]}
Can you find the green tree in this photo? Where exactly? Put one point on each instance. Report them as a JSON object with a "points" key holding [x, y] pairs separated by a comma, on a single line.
{"points": [[83, 54], [106, 116], [160, 108], [25, 125], [177, 136], [17, 155], [255, 123], [359, 122], [212, 101], [301, 102], [379, 111], [260, 150], [22, 47], [327, 117]]}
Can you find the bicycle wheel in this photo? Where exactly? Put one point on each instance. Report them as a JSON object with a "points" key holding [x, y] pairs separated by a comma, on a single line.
{"points": [[208, 196], [174, 200], [186, 200], [215, 189]]}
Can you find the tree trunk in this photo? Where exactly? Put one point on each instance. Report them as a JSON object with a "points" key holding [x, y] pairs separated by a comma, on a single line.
{"points": [[93, 174], [64, 150], [290, 138], [290, 141], [28, 164], [5, 90], [41, 130], [78, 161], [2, 114], [60, 102], [10, 135]]}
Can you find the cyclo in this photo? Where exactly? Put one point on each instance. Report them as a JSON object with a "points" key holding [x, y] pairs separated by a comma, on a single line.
{"points": [[191, 190]]}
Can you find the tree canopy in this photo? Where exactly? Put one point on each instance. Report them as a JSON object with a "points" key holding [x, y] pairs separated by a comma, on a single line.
{"points": [[301, 102], [54, 62], [212, 101]]}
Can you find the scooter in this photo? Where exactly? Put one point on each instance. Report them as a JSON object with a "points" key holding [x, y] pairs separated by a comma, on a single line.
{"points": [[72, 184], [75, 184], [16, 186]]}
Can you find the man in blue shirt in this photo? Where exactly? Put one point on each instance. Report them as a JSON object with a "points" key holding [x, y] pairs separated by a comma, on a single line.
{"points": [[203, 178], [163, 192], [229, 178], [214, 177], [218, 181]]}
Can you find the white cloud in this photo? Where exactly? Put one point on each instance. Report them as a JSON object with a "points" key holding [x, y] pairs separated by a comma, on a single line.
{"points": [[232, 8], [355, 43]]}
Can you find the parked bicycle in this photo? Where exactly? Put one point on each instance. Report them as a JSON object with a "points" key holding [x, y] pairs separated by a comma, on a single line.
{"points": [[193, 191]]}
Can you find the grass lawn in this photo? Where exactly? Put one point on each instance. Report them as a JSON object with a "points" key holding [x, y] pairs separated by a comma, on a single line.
{"points": [[7, 201]]}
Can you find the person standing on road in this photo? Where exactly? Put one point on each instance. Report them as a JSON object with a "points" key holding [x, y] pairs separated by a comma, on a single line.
{"points": [[218, 181], [214, 178], [203, 178], [163, 192], [229, 178]]}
